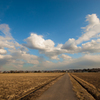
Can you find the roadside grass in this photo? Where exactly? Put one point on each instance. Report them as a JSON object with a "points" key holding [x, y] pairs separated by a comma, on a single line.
{"points": [[91, 77], [89, 87], [81, 93]]}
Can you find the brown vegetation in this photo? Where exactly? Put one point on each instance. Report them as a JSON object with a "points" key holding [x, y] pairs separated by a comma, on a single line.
{"points": [[86, 84], [92, 78], [81, 93], [14, 85]]}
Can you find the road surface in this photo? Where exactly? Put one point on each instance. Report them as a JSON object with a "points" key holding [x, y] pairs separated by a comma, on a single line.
{"points": [[61, 90]]}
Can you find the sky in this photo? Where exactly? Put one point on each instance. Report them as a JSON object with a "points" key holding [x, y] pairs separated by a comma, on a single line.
{"points": [[49, 34]]}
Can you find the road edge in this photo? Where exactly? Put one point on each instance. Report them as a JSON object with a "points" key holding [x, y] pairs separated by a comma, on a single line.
{"points": [[81, 93]]}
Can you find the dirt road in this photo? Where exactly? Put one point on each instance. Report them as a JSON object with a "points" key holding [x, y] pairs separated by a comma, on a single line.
{"points": [[61, 90]]}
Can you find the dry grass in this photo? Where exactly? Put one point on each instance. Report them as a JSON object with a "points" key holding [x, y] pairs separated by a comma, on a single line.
{"points": [[81, 93], [15, 85], [86, 84], [92, 78], [35, 95]]}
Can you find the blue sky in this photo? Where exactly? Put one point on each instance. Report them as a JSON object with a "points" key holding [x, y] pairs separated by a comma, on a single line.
{"points": [[37, 27]]}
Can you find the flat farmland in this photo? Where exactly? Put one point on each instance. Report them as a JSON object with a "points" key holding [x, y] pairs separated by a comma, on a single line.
{"points": [[92, 78], [13, 85]]}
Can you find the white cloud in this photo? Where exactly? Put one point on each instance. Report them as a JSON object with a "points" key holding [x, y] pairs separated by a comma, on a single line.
{"points": [[2, 51], [48, 48], [37, 42], [93, 20], [4, 28], [55, 57], [5, 59], [71, 46], [91, 30], [87, 61], [44, 46], [17, 53], [91, 47], [22, 55], [65, 57], [5, 56], [6, 42]]}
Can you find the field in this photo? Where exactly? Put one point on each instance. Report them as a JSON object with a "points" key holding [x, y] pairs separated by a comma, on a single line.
{"points": [[81, 93], [90, 81], [15, 85], [92, 78]]}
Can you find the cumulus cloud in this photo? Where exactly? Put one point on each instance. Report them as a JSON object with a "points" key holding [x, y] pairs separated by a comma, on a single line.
{"points": [[5, 59], [65, 57], [28, 58], [48, 48], [69, 45], [44, 46], [55, 57], [2, 51], [93, 20], [91, 47], [17, 53], [6, 42], [86, 61], [91, 30], [37, 42]]}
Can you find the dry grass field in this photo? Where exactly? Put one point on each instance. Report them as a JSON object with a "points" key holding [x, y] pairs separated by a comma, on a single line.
{"points": [[81, 93], [15, 85], [90, 81], [92, 78]]}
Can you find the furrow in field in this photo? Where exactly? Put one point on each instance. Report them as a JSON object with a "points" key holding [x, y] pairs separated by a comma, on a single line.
{"points": [[89, 87], [81, 93]]}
